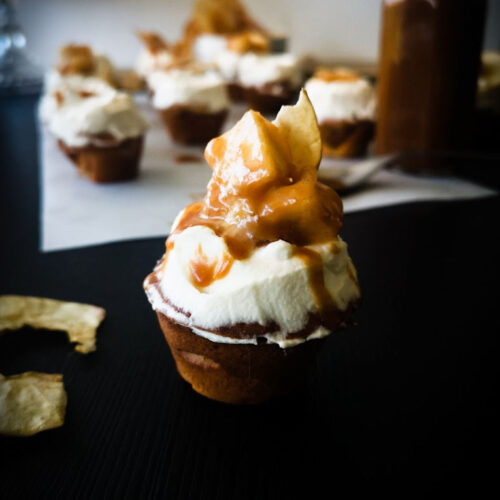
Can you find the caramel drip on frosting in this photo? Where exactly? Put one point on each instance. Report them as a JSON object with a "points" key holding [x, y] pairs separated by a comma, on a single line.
{"points": [[257, 195], [205, 271], [314, 265]]}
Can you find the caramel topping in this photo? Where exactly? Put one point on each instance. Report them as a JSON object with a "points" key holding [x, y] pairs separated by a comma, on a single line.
{"points": [[76, 59], [257, 195], [264, 188], [154, 42], [221, 16], [249, 41], [314, 265], [336, 75], [205, 271], [224, 17]]}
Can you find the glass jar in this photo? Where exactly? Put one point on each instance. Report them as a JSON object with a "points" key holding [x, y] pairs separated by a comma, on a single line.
{"points": [[427, 77]]}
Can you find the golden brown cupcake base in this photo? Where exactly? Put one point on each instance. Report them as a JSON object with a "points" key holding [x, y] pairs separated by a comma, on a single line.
{"points": [[269, 98], [346, 139], [110, 163], [187, 126], [237, 373]]}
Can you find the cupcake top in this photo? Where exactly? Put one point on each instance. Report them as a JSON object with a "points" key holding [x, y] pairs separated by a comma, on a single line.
{"points": [[75, 59], [82, 111], [156, 54], [341, 94], [260, 255], [261, 69], [207, 47], [200, 89]]}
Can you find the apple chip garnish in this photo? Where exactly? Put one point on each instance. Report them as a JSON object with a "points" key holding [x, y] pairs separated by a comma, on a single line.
{"points": [[31, 402], [80, 321], [298, 124]]}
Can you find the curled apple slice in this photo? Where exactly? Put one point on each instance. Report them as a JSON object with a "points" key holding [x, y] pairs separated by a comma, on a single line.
{"points": [[299, 126]]}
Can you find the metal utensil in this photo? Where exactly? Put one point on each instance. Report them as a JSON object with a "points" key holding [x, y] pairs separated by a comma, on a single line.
{"points": [[344, 175]]}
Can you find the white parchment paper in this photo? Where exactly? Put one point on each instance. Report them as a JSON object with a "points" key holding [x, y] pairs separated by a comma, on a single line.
{"points": [[77, 213]]}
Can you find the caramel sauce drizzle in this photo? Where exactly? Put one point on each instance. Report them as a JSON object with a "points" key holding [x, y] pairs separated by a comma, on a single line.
{"points": [[205, 271], [314, 265], [256, 196], [59, 98], [75, 59], [84, 94], [336, 75]]}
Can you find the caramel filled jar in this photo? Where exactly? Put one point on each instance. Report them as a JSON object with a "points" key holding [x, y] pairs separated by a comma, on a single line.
{"points": [[427, 77]]}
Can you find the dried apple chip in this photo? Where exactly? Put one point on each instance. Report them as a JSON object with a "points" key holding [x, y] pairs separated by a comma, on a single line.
{"points": [[80, 321], [31, 402], [298, 124]]}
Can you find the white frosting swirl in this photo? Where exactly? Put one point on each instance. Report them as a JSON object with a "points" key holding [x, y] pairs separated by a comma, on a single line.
{"points": [[78, 108], [270, 286], [259, 69], [341, 100], [205, 89]]}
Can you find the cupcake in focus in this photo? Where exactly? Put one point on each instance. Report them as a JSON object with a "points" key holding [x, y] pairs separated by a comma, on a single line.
{"points": [[193, 102], [255, 275], [344, 103], [98, 127]]}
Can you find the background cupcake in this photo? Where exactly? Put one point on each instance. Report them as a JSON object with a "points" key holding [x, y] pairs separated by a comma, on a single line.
{"points": [[269, 81], [99, 128], [225, 53], [192, 101], [344, 104]]}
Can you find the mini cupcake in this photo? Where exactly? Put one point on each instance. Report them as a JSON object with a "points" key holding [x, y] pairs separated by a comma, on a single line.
{"points": [[192, 102], [225, 53], [269, 81], [255, 275], [345, 107], [99, 128]]}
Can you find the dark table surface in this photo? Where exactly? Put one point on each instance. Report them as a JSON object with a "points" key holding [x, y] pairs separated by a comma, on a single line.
{"points": [[405, 399]]}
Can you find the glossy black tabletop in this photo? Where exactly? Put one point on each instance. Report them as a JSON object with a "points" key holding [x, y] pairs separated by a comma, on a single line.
{"points": [[406, 399]]}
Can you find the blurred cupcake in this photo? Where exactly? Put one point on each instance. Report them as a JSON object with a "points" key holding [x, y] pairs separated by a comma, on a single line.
{"points": [[225, 53], [269, 81], [192, 102], [344, 104], [97, 127]]}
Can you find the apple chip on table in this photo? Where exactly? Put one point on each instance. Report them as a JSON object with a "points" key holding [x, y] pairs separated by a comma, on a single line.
{"points": [[31, 402], [80, 321]]}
